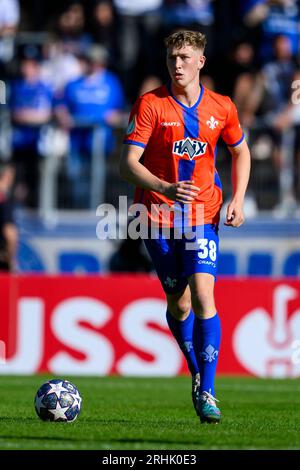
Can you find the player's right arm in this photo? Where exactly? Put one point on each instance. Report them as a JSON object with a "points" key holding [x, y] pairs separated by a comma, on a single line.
{"points": [[137, 174]]}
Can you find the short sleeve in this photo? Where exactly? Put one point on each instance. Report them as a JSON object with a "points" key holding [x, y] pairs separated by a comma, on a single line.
{"points": [[232, 133], [141, 123]]}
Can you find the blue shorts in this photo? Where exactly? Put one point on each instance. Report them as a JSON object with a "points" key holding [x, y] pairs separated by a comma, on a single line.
{"points": [[177, 259]]}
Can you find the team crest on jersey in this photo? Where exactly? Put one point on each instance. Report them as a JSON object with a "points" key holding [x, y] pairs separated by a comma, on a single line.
{"points": [[212, 123], [192, 148], [131, 126]]}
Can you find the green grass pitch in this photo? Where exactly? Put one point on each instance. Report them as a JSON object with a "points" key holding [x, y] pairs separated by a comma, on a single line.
{"points": [[154, 413]]}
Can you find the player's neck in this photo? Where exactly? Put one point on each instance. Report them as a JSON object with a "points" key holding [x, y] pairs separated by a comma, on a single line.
{"points": [[188, 95]]}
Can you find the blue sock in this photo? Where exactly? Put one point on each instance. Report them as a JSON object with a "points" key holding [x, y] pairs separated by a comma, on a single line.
{"points": [[183, 333], [206, 339]]}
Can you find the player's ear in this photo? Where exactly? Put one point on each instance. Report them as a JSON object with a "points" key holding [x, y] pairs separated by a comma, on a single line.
{"points": [[201, 61]]}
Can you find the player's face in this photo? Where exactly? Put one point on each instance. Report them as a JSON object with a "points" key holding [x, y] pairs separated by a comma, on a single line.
{"points": [[184, 65]]}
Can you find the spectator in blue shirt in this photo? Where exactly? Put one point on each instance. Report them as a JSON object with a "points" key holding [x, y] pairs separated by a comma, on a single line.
{"points": [[31, 102], [92, 102], [272, 18]]}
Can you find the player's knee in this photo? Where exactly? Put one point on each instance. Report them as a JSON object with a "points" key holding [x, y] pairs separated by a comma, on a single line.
{"points": [[180, 309], [203, 303]]}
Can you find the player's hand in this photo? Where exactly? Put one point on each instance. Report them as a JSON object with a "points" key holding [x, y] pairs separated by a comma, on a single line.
{"points": [[183, 191], [235, 216]]}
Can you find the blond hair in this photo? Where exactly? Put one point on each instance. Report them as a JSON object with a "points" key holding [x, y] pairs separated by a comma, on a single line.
{"points": [[186, 38]]}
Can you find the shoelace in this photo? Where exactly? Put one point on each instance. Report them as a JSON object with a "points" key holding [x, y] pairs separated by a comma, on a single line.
{"points": [[210, 399]]}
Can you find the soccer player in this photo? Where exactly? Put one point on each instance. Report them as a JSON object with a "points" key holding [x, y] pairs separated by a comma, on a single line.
{"points": [[169, 155]]}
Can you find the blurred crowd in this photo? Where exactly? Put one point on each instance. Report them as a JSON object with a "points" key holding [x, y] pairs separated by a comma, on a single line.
{"points": [[71, 71]]}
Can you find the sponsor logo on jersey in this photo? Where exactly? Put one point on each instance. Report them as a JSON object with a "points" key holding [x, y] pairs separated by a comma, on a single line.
{"points": [[170, 124], [192, 148]]}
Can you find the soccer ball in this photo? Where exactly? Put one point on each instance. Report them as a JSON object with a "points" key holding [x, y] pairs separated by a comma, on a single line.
{"points": [[58, 400]]}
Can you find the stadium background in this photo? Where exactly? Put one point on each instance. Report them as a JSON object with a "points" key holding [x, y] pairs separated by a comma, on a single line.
{"points": [[66, 309]]}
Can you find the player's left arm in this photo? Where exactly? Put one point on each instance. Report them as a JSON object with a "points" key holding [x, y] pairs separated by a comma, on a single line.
{"points": [[241, 163]]}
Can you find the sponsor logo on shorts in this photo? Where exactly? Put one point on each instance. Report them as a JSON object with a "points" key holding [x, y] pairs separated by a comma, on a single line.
{"points": [[209, 263]]}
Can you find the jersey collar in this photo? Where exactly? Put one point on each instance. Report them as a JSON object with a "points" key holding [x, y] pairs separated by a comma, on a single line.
{"points": [[183, 105]]}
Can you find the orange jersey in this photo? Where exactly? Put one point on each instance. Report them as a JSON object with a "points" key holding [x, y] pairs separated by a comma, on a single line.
{"points": [[180, 144]]}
